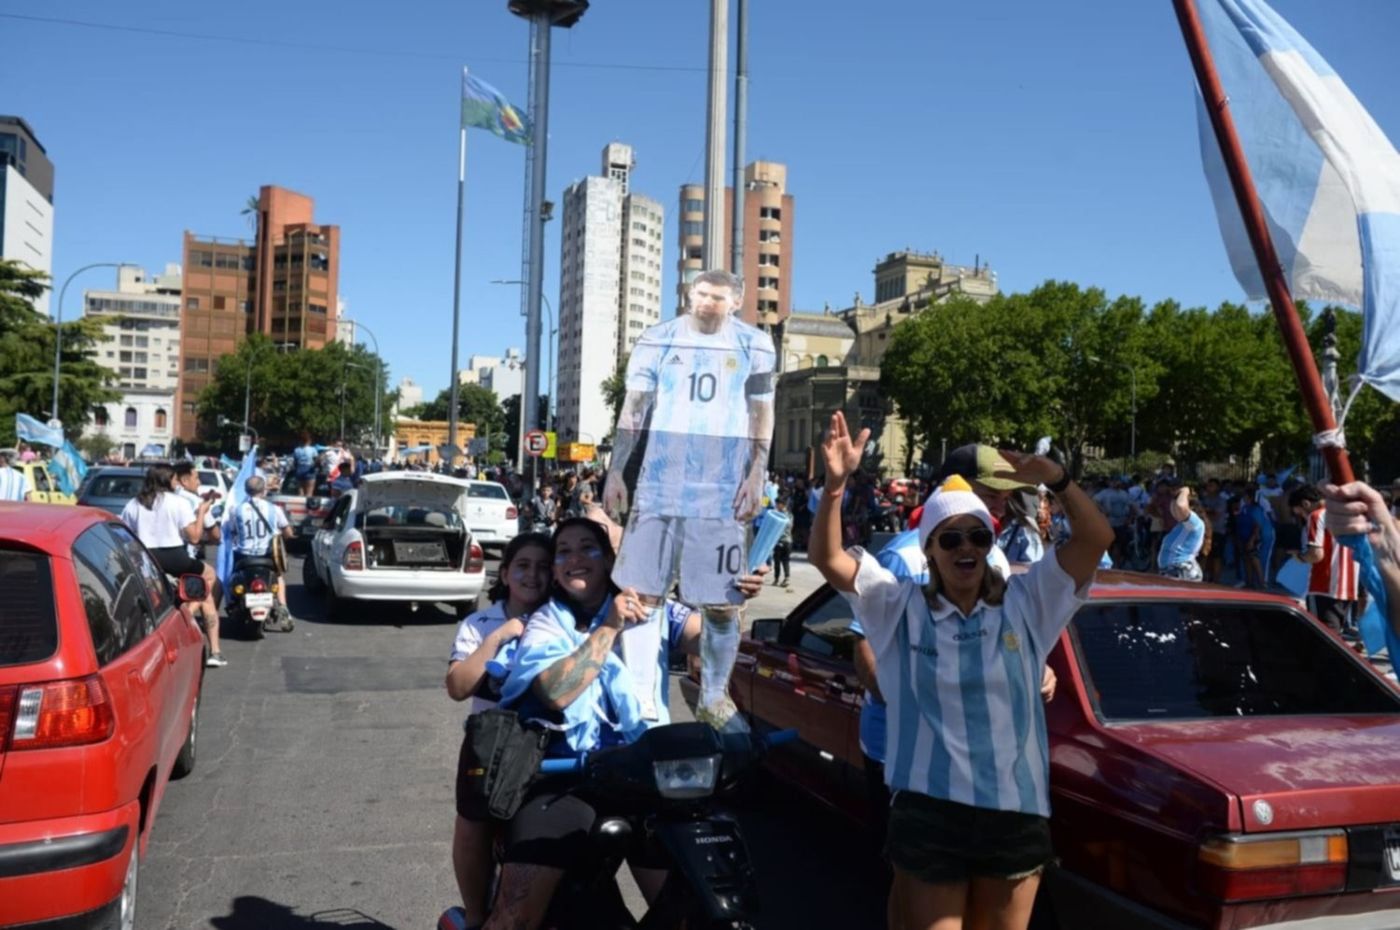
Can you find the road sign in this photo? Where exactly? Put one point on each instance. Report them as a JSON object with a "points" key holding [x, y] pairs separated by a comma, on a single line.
{"points": [[479, 446], [536, 442], [551, 449]]}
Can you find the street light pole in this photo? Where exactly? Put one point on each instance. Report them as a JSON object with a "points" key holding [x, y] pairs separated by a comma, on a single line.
{"points": [[58, 324], [553, 366], [378, 387]]}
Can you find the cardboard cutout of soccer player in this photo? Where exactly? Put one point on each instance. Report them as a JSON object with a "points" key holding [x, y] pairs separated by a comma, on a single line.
{"points": [[690, 458]]}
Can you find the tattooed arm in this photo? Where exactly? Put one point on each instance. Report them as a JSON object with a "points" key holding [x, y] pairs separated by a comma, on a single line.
{"points": [[560, 684]]}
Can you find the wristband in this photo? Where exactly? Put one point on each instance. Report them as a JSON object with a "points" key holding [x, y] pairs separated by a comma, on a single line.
{"points": [[1059, 486]]}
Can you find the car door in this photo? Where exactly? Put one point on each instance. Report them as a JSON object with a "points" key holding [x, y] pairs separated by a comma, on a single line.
{"points": [[41, 484], [807, 681], [326, 541]]}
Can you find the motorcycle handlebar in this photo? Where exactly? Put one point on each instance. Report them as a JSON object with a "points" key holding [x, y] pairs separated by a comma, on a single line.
{"points": [[560, 766]]}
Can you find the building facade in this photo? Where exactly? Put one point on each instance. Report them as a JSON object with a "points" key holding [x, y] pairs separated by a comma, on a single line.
{"points": [[26, 200], [282, 284], [410, 395], [141, 328], [502, 376], [609, 289], [769, 215], [141, 424]]}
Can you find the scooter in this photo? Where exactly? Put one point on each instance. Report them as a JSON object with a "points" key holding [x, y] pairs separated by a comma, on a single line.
{"points": [[253, 598]]}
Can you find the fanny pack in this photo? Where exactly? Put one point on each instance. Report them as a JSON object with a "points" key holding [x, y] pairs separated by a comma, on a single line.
{"points": [[504, 754]]}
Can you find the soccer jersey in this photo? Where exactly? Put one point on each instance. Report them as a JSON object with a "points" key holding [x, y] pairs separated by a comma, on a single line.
{"points": [[699, 445], [250, 534], [1183, 543], [471, 633], [966, 721], [1336, 575], [13, 485]]}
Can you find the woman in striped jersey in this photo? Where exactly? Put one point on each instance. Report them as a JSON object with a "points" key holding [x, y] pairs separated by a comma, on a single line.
{"points": [[959, 662]]}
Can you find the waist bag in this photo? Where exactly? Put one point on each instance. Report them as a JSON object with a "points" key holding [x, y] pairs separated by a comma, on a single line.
{"points": [[504, 757]]}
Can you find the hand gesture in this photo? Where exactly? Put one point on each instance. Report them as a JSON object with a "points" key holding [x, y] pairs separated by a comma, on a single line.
{"points": [[1358, 508], [752, 584], [511, 630], [627, 608], [840, 452], [1031, 470], [615, 494]]}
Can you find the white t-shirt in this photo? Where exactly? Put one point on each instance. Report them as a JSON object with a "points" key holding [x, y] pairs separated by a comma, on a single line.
{"points": [[471, 633], [194, 500], [162, 526]]}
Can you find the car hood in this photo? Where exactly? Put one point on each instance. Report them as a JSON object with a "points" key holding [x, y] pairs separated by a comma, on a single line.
{"points": [[414, 492], [1309, 771]]}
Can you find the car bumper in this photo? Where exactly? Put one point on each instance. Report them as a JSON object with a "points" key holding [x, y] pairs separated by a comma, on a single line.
{"points": [[392, 585], [493, 535], [66, 872]]}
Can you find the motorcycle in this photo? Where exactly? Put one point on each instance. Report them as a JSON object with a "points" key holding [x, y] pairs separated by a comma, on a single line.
{"points": [[670, 782], [253, 598]]}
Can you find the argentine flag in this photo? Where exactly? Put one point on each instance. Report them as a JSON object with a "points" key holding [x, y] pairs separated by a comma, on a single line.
{"points": [[1327, 177]]}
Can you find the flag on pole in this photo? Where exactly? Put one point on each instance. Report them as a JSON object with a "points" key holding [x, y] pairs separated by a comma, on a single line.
{"points": [[485, 108], [224, 566], [1327, 176], [30, 430], [67, 467]]}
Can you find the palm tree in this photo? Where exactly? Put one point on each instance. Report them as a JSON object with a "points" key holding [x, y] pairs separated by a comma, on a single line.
{"points": [[250, 210]]}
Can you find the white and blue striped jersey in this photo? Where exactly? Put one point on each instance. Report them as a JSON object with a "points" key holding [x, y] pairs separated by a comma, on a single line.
{"points": [[698, 445], [965, 719], [13, 485], [249, 534]]}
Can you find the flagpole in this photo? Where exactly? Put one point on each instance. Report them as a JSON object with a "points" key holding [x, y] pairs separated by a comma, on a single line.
{"points": [[457, 286], [1270, 268]]}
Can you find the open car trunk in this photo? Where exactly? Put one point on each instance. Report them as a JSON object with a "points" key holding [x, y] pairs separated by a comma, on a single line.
{"points": [[417, 547]]}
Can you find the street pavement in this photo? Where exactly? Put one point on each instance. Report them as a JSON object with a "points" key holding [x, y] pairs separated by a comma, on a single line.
{"points": [[323, 793]]}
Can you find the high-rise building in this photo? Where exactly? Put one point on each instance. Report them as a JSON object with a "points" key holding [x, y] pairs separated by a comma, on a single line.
{"points": [[141, 328], [609, 288], [26, 200], [283, 285], [768, 223], [504, 377], [410, 396]]}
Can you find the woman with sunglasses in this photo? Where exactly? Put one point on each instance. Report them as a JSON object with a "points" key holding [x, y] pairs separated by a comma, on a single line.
{"points": [[959, 661]]}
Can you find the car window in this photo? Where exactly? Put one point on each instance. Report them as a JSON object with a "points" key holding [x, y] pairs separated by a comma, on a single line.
{"points": [[115, 486], [336, 518], [493, 491], [1185, 661], [825, 630], [157, 588], [41, 479], [117, 610], [411, 516], [209, 479], [28, 624]]}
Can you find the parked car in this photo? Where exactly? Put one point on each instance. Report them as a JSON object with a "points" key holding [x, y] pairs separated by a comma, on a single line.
{"points": [[42, 483], [491, 515], [1218, 758], [109, 487], [398, 537], [100, 673], [304, 514]]}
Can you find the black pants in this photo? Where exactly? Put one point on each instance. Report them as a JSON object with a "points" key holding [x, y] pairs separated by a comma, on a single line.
{"points": [[877, 795], [1331, 611], [782, 566]]}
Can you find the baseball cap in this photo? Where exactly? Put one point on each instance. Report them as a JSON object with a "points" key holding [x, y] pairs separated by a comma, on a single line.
{"points": [[980, 463]]}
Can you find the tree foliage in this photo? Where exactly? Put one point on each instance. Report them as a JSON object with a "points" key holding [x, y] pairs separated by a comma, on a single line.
{"points": [[614, 388], [26, 358]]}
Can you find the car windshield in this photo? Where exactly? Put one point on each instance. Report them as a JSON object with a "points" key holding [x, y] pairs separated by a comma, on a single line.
{"points": [[208, 479], [28, 626], [115, 486], [493, 491], [412, 516], [1193, 661]]}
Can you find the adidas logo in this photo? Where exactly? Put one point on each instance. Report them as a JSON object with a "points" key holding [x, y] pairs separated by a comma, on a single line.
{"points": [[675, 360]]}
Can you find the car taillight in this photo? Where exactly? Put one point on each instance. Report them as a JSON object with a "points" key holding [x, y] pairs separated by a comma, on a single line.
{"points": [[476, 559], [512, 513], [257, 586], [1279, 865], [354, 558], [56, 713]]}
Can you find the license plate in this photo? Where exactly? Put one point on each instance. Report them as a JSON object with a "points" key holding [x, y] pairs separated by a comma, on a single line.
{"points": [[1392, 853], [257, 600]]}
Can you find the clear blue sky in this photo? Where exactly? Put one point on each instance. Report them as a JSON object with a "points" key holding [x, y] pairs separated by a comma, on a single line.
{"points": [[1055, 140]]}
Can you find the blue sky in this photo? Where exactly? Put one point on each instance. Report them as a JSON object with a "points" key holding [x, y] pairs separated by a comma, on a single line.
{"points": [[1053, 140]]}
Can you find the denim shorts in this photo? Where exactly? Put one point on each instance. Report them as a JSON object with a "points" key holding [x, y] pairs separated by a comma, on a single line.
{"points": [[940, 842]]}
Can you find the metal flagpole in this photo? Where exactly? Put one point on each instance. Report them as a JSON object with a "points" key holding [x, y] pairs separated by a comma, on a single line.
{"points": [[741, 113], [541, 25], [1270, 269], [457, 285], [713, 255]]}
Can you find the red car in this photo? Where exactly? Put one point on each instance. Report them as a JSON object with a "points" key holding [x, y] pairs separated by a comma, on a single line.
{"points": [[1218, 758], [100, 673]]}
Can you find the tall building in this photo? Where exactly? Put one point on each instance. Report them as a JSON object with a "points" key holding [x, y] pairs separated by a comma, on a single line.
{"points": [[141, 328], [768, 224], [283, 284], [26, 200], [504, 377], [410, 396], [609, 288]]}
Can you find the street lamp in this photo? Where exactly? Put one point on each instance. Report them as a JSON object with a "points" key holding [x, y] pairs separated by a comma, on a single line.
{"points": [[553, 331], [58, 323], [343, 373], [379, 383], [1132, 372]]}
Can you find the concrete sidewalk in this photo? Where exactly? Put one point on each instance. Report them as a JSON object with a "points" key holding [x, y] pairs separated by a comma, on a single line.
{"points": [[776, 602]]}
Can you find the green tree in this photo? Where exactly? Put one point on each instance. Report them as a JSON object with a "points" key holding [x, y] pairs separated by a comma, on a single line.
{"points": [[614, 388], [26, 358], [510, 408], [476, 405]]}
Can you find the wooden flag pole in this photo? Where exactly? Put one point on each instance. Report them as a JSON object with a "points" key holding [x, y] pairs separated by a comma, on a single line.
{"points": [[1285, 313]]}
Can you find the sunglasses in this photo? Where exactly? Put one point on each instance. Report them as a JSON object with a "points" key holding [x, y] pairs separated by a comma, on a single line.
{"points": [[980, 538]]}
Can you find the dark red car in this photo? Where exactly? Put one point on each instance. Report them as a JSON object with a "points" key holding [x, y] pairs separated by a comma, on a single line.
{"points": [[1218, 758], [100, 673]]}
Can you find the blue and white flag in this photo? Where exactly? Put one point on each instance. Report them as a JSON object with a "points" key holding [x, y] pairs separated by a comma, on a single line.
{"points": [[1327, 177], [35, 431], [68, 468], [224, 567]]}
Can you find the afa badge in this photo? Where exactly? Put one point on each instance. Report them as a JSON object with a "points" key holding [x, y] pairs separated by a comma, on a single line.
{"points": [[1012, 642]]}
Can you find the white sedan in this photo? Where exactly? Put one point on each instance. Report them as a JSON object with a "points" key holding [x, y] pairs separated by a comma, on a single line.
{"points": [[399, 537]]}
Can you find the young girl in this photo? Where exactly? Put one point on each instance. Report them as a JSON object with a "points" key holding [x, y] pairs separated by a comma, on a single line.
{"points": [[521, 586]]}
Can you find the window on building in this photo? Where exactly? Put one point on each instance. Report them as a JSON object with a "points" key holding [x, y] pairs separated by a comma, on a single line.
{"points": [[218, 303], [125, 357], [320, 262], [196, 364], [143, 341], [693, 206], [692, 228], [130, 418], [767, 261], [160, 418], [125, 340], [821, 361], [191, 303], [768, 283], [770, 213], [99, 416], [769, 235], [694, 252], [138, 374], [317, 308]]}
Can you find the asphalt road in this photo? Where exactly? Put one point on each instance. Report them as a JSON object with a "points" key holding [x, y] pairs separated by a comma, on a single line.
{"points": [[322, 796]]}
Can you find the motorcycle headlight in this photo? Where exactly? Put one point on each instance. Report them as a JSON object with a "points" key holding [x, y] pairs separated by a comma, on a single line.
{"points": [[679, 779]]}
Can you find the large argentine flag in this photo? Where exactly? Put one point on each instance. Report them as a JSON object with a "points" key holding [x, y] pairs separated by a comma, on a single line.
{"points": [[1328, 178]]}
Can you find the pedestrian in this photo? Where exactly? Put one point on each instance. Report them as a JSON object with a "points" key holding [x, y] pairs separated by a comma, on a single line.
{"points": [[1333, 582], [964, 848], [1182, 545], [304, 465], [1115, 504], [1213, 502], [14, 486], [782, 552]]}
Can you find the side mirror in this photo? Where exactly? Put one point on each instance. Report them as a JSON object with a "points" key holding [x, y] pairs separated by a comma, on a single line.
{"points": [[766, 631], [193, 588]]}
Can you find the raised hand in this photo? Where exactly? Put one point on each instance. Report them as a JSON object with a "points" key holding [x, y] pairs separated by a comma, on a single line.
{"points": [[615, 494], [1030, 470], [840, 452]]}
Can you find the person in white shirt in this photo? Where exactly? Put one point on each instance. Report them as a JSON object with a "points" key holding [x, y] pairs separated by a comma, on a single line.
{"points": [[968, 826], [13, 485], [166, 524], [187, 486]]}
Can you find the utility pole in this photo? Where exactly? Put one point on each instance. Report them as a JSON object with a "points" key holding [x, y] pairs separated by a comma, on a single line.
{"points": [[741, 115], [712, 254]]}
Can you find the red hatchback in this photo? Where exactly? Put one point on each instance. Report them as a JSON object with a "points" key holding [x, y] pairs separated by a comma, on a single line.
{"points": [[1218, 758], [100, 672]]}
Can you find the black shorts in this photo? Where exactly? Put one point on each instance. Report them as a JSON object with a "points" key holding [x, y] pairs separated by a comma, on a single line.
{"points": [[470, 804], [552, 828], [176, 560], [939, 841]]}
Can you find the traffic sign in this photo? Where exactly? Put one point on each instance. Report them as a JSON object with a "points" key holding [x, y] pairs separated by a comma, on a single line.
{"points": [[536, 442]]}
